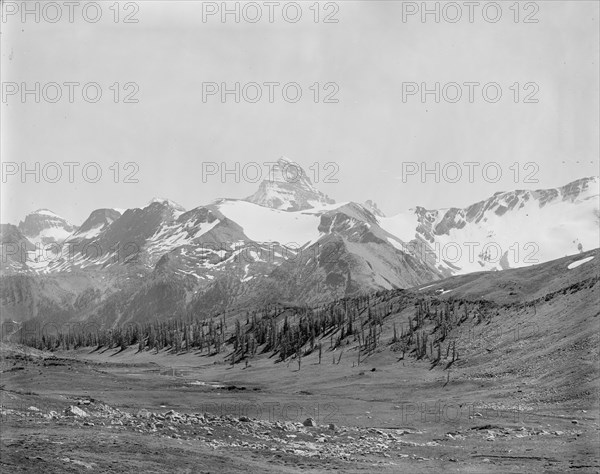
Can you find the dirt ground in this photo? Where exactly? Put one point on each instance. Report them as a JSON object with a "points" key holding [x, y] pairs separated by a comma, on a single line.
{"points": [[522, 397], [166, 414]]}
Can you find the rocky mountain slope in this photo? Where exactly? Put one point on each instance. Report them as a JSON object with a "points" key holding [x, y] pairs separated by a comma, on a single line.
{"points": [[45, 227], [286, 243], [509, 230], [288, 188]]}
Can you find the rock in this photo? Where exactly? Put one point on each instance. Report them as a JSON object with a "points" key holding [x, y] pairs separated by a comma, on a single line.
{"points": [[75, 411], [33, 409], [309, 422], [245, 419], [575, 422], [143, 414], [373, 369], [332, 426]]}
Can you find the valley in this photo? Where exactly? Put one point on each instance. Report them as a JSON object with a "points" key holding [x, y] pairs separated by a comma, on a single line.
{"points": [[188, 410]]}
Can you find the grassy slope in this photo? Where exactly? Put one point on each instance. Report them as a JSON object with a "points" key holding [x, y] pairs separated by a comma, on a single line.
{"points": [[530, 365]]}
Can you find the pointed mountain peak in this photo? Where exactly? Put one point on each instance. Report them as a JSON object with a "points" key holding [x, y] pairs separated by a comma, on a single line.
{"points": [[284, 159], [45, 226], [288, 188], [45, 212], [167, 202], [287, 171], [98, 221]]}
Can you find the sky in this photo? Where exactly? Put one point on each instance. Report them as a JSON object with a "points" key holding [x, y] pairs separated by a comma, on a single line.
{"points": [[369, 140]]}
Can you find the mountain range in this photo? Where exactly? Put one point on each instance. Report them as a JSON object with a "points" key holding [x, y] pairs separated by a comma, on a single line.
{"points": [[288, 242]]}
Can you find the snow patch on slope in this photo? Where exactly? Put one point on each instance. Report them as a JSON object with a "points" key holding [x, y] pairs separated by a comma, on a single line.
{"points": [[263, 224], [577, 263]]}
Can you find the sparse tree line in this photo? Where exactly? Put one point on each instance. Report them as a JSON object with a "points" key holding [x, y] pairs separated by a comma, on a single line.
{"points": [[292, 332], [286, 331]]}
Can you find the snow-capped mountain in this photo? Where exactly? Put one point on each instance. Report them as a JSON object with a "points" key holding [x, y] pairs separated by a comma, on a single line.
{"points": [[286, 243], [45, 227], [172, 204], [288, 188], [372, 206], [98, 221], [508, 230]]}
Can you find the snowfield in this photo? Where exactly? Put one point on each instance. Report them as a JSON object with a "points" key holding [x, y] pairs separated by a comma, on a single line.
{"points": [[530, 233], [579, 262], [263, 224]]}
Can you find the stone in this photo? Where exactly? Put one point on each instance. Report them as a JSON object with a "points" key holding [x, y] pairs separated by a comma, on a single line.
{"points": [[75, 411], [144, 414], [309, 422]]}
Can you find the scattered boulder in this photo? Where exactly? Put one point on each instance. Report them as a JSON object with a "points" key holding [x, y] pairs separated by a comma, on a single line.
{"points": [[309, 422], [143, 413], [245, 419], [75, 411]]}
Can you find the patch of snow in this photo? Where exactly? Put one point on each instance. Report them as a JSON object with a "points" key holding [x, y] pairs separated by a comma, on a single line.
{"points": [[403, 226], [577, 263], [206, 384], [47, 212], [527, 234], [263, 224], [93, 232], [169, 202], [57, 234], [441, 291]]}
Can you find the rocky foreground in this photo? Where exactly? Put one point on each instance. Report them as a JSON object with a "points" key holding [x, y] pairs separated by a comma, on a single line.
{"points": [[292, 443], [70, 415]]}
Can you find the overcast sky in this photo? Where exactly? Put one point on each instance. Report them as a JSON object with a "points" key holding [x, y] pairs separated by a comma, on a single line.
{"points": [[369, 133]]}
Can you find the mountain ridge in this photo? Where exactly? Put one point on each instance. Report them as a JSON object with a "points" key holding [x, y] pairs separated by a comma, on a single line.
{"points": [[165, 261]]}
